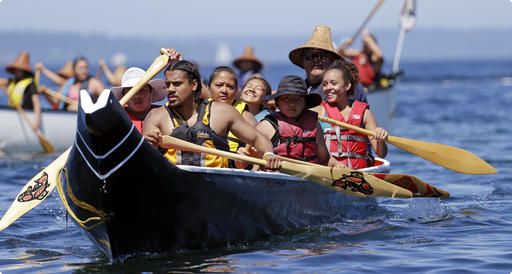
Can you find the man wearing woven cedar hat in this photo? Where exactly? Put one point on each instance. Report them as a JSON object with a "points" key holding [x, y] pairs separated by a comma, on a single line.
{"points": [[247, 64], [21, 89], [315, 57]]}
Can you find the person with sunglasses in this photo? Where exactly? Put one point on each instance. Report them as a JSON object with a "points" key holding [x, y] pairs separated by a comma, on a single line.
{"points": [[315, 56]]}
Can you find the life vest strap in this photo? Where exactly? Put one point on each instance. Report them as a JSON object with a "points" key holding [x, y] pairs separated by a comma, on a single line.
{"points": [[348, 155]]}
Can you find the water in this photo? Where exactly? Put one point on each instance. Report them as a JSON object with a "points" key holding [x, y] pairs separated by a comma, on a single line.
{"points": [[462, 104]]}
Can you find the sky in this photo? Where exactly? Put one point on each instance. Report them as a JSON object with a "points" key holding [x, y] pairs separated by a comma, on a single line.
{"points": [[192, 18]]}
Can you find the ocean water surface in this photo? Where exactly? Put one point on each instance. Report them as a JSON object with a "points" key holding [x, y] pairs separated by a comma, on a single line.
{"points": [[462, 104]]}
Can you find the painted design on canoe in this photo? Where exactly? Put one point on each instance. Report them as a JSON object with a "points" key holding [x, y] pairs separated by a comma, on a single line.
{"points": [[416, 186], [407, 183], [98, 216], [37, 191], [355, 181]]}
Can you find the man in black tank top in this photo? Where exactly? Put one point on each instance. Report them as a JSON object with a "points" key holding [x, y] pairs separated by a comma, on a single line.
{"points": [[182, 113]]}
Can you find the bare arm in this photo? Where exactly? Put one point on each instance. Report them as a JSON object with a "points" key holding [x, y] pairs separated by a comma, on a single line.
{"points": [[3, 84], [156, 123], [249, 117], [376, 52], [226, 118], [54, 77], [378, 142], [343, 49], [112, 79], [323, 152]]}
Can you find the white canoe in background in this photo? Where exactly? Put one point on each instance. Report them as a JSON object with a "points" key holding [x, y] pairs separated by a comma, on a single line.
{"points": [[382, 105], [17, 137]]}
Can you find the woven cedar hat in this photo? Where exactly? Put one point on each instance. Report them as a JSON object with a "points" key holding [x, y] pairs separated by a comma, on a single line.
{"points": [[248, 56], [320, 40], [67, 70], [22, 62]]}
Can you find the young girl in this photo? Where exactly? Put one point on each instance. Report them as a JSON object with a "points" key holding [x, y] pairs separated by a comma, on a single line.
{"points": [[347, 146], [254, 93]]}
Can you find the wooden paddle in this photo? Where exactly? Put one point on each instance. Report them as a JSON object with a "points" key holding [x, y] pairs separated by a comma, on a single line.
{"points": [[47, 146], [351, 182], [58, 96], [47, 178], [366, 20], [453, 158], [418, 187]]}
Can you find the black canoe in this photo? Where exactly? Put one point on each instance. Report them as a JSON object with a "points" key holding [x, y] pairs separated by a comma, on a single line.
{"points": [[129, 199]]}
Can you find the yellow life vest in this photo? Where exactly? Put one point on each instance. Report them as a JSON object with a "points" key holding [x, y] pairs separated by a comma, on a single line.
{"points": [[234, 143], [201, 134], [16, 91]]}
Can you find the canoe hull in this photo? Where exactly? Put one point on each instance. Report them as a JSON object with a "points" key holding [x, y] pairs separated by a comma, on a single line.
{"points": [[129, 200]]}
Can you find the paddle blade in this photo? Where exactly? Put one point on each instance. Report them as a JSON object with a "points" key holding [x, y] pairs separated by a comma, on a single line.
{"points": [[47, 146], [351, 182], [34, 192], [418, 187], [453, 158]]}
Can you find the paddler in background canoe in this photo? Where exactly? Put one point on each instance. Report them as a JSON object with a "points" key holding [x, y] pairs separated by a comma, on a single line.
{"points": [[248, 65], [347, 146], [81, 80], [141, 103], [21, 90], [114, 78], [202, 122], [368, 60], [223, 85], [294, 130], [254, 93], [59, 78], [315, 56]]}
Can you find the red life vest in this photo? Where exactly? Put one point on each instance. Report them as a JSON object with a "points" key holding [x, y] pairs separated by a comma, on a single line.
{"points": [[296, 138], [365, 68], [345, 145], [139, 124]]}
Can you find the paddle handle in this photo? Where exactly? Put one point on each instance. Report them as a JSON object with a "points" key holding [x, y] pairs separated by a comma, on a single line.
{"points": [[155, 68], [47, 146], [58, 95], [366, 20], [169, 141], [345, 125]]}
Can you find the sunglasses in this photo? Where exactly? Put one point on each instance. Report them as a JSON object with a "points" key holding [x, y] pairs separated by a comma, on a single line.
{"points": [[322, 56]]}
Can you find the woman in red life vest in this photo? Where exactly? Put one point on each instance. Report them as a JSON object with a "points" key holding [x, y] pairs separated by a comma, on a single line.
{"points": [[139, 106], [294, 130], [347, 146]]}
